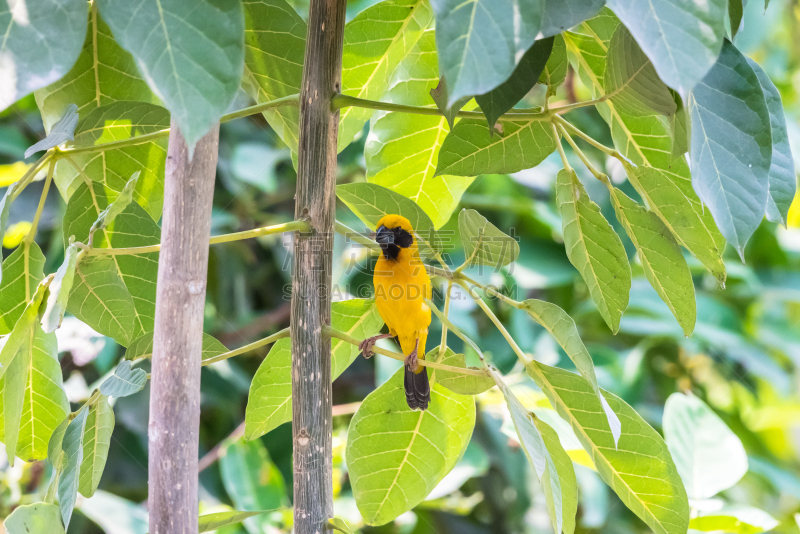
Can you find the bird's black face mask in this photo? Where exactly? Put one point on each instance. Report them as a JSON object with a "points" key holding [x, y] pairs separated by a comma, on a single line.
{"points": [[392, 240]]}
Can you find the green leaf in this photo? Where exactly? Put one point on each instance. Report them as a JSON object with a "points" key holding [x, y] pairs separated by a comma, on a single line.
{"points": [[62, 131], [269, 403], [537, 452], [212, 522], [113, 168], [55, 453], [191, 54], [682, 39], [119, 204], [506, 95], [142, 347], [735, 519], [133, 228], [478, 41], [23, 269], [669, 194], [103, 73], [680, 129], [555, 70], [69, 477], [370, 202], [782, 177], [5, 207], [125, 381], [375, 42], [735, 12], [96, 441], [441, 97], [100, 299], [639, 469], [561, 15], [709, 456], [471, 149], [661, 257], [566, 474], [731, 146], [402, 148], [271, 25], [59, 291], [33, 400], [339, 524], [457, 382], [594, 249], [37, 517], [632, 80], [41, 41], [252, 481], [413, 450], [483, 243]]}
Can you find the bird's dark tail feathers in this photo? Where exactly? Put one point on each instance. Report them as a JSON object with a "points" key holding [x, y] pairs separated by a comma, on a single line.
{"points": [[418, 389]]}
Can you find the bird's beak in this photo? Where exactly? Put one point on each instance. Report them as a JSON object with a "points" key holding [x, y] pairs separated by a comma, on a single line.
{"points": [[384, 236]]}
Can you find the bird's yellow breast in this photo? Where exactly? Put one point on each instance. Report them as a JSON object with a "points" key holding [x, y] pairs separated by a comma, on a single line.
{"points": [[401, 287]]}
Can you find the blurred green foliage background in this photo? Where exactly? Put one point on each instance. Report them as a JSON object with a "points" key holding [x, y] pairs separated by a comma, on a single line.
{"points": [[743, 358]]}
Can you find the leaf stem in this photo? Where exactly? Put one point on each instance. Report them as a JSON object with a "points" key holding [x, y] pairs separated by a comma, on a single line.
{"points": [[35, 224], [490, 314], [492, 291], [247, 348], [358, 237], [332, 332], [160, 134], [301, 226], [30, 174], [599, 146], [443, 342], [561, 152], [597, 174]]}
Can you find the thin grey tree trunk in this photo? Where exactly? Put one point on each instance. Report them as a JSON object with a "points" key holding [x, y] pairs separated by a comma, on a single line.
{"points": [[311, 306], [175, 385]]}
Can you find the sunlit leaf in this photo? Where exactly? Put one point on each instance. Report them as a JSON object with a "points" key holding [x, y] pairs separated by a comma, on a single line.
{"points": [[661, 257], [375, 42], [402, 148], [100, 298], [483, 243], [191, 54], [709, 457], [457, 382], [396, 455], [471, 148], [37, 517], [41, 41], [669, 194], [271, 25], [23, 269], [734, 519], [269, 403], [594, 249], [731, 146], [639, 468], [212, 522], [5, 207]]}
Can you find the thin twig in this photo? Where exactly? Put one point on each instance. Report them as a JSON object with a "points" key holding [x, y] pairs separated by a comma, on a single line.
{"points": [[35, 224], [247, 348]]}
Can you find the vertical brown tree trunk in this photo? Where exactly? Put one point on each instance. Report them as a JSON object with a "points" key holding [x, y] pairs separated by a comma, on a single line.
{"points": [[311, 306], [177, 343]]}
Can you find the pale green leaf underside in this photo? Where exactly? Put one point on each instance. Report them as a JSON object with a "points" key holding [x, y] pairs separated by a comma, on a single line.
{"points": [[191, 53], [96, 441], [125, 381], [37, 517], [566, 475], [396, 455], [69, 477], [594, 249], [661, 257], [639, 469], [269, 403], [41, 41], [708, 455]]}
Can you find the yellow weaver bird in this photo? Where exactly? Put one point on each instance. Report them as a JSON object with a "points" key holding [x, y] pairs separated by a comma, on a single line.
{"points": [[401, 287]]}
